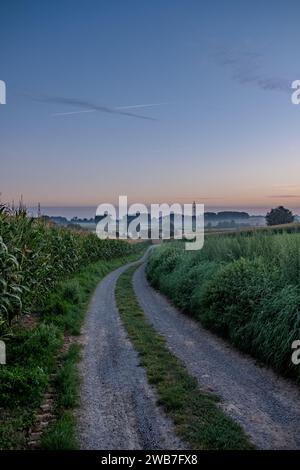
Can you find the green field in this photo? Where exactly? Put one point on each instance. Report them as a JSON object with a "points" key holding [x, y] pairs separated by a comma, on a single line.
{"points": [[244, 287]]}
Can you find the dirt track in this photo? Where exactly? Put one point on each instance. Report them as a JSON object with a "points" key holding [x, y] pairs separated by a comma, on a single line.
{"points": [[118, 406], [266, 405]]}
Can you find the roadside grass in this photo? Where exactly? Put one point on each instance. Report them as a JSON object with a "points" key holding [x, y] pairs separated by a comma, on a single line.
{"points": [[67, 311], [61, 435], [67, 380], [32, 357], [198, 419]]}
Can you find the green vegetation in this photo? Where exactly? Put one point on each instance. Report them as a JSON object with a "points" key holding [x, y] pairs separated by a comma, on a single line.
{"points": [[32, 358], [35, 256], [198, 419], [244, 287], [279, 215], [51, 272], [61, 435]]}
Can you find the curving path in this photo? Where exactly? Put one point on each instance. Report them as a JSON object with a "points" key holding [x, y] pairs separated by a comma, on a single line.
{"points": [[266, 405], [118, 406]]}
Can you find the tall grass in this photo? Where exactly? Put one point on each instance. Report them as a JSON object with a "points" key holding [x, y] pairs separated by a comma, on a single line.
{"points": [[35, 256], [244, 287]]}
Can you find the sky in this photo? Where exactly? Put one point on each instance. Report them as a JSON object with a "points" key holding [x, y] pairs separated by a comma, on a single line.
{"points": [[221, 128]]}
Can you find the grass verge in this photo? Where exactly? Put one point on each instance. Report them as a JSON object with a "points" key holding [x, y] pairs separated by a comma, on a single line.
{"points": [[61, 435], [196, 415]]}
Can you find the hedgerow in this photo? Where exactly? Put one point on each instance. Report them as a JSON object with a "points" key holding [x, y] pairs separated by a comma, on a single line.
{"points": [[244, 287]]}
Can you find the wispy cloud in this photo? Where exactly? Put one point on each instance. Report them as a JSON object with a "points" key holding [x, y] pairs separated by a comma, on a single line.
{"points": [[282, 196], [93, 107], [246, 68]]}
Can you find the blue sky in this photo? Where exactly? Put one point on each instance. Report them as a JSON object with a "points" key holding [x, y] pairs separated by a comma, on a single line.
{"points": [[225, 132]]}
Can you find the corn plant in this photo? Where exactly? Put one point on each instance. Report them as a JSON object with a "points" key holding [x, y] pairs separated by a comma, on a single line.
{"points": [[35, 255], [10, 287]]}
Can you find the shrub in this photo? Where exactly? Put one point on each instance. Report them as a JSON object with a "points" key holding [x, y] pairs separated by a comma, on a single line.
{"points": [[71, 291], [35, 347], [21, 385], [232, 296], [244, 287], [161, 262], [275, 326], [55, 305], [185, 281]]}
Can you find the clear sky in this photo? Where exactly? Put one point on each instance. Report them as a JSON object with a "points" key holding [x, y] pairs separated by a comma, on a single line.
{"points": [[224, 131]]}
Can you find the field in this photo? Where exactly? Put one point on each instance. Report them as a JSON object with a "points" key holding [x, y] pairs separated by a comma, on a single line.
{"points": [[34, 256], [293, 227], [47, 276], [245, 287]]}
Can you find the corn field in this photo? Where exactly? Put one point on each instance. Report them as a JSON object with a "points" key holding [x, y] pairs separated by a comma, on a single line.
{"points": [[35, 256]]}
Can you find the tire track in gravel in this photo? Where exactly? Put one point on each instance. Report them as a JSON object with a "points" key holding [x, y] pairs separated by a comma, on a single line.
{"points": [[118, 407], [264, 404]]}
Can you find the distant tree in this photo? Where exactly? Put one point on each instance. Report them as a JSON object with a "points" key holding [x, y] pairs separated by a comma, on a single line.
{"points": [[232, 215], [279, 215], [210, 216]]}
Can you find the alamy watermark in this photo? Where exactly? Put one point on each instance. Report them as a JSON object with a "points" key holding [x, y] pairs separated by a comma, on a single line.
{"points": [[157, 221], [2, 92], [296, 94], [2, 352], [296, 353]]}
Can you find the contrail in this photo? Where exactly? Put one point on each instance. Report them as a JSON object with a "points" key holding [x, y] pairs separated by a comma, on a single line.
{"points": [[114, 109], [74, 112], [91, 107], [140, 105]]}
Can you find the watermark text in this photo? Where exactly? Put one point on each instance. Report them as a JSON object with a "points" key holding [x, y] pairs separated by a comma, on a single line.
{"points": [[157, 221], [2, 353], [2, 92], [296, 353]]}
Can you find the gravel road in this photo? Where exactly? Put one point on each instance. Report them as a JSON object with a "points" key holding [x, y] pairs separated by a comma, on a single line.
{"points": [[118, 407], [266, 405]]}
